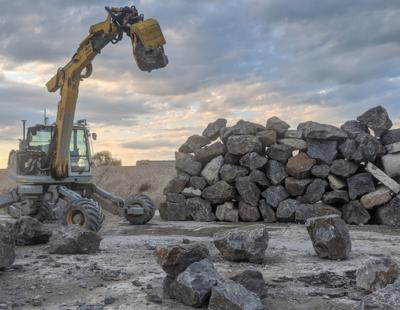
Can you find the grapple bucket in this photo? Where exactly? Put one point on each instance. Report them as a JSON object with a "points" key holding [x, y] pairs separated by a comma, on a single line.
{"points": [[147, 43]]}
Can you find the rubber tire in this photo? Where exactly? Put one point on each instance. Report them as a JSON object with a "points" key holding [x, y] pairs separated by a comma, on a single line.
{"points": [[44, 213], [146, 203], [94, 216]]}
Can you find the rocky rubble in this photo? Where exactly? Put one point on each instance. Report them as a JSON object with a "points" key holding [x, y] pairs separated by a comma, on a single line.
{"points": [[267, 172]]}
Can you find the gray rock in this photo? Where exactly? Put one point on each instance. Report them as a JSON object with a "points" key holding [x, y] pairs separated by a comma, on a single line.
{"points": [[246, 128], [377, 273], [176, 185], [286, 210], [336, 183], [343, 168], [378, 197], [267, 137], [213, 129], [330, 237], [336, 197], [230, 295], [315, 191], [354, 213], [176, 198], [279, 152], [276, 124], [190, 192], [219, 192], [200, 210], [175, 210], [253, 161], [248, 244], [391, 164], [186, 163], [211, 170], [353, 128], [206, 153], [274, 195], [276, 172], [29, 231], [193, 286], [227, 212], [389, 214], [240, 145], [369, 146], [360, 184], [253, 281], [306, 211], [300, 165], [351, 151], [292, 134], [248, 191], [73, 239], [169, 287], [296, 187], [198, 182], [392, 136], [376, 119], [248, 213], [320, 171], [232, 159], [314, 130], [259, 178], [266, 211], [295, 144], [323, 151], [387, 298], [175, 259], [193, 143], [230, 173], [7, 246]]}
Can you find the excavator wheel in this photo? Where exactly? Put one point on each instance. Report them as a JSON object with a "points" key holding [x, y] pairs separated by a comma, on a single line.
{"points": [[146, 203], [86, 213], [44, 212]]}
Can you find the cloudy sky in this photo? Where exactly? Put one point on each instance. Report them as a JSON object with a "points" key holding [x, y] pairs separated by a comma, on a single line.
{"points": [[326, 60]]}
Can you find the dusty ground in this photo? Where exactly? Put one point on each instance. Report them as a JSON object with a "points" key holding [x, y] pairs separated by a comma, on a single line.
{"points": [[125, 271]]}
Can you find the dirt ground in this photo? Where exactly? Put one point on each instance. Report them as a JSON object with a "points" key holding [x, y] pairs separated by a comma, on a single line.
{"points": [[125, 275]]}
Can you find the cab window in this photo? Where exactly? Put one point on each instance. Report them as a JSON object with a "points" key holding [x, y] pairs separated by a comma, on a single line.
{"points": [[79, 153]]}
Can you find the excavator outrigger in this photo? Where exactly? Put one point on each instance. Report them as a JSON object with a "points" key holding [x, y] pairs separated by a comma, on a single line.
{"points": [[53, 166]]}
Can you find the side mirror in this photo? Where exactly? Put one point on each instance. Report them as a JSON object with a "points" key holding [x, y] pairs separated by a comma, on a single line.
{"points": [[94, 136]]}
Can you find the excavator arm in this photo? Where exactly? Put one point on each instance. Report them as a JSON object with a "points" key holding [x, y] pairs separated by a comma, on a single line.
{"points": [[147, 43]]}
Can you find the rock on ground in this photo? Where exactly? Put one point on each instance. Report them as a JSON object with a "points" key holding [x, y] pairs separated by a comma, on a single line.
{"points": [[389, 214], [330, 237], [219, 192], [354, 213], [174, 209], [230, 295], [29, 231], [200, 209], [73, 239], [377, 119], [227, 212], [387, 298], [286, 210], [377, 273], [252, 280], [243, 244], [306, 211], [175, 259]]}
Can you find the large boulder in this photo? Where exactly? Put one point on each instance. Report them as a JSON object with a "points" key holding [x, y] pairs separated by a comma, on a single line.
{"points": [[213, 129], [253, 161], [343, 168], [227, 212], [29, 231], [276, 124], [73, 239], [370, 147], [360, 184], [314, 130], [377, 273], [193, 143], [267, 137], [267, 212], [211, 170], [330, 237], [247, 244], [376, 119], [248, 212], [392, 136], [353, 128], [219, 192], [7, 246], [296, 187], [279, 152], [387, 298], [229, 173], [252, 280], [274, 195], [351, 150], [176, 185], [306, 211], [324, 151], [248, 191], [193, 286], [354, 213], [389, 214], [378, 197], [206, 153], [200, 209], [300, 165], [287, 210], [276, 172], [175, 259], [241, 145], [186, 163], [315, 191], [229, 295], [245, 128]]}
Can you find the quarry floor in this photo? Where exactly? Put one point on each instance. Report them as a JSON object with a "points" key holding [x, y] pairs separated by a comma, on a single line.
{"points": [[125, 274]]}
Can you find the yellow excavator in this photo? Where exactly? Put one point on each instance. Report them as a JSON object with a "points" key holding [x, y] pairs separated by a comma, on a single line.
{"points": [[53, 165]]}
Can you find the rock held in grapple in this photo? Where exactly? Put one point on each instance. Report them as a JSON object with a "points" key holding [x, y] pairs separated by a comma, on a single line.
{"points": [[376, 119], [330, 237]]}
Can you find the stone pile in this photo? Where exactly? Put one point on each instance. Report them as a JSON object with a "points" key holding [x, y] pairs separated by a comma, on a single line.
{"points": [[251, 172]]}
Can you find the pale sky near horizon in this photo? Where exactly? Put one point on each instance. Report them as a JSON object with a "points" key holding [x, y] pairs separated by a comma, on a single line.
{"points": [[326, 60]]}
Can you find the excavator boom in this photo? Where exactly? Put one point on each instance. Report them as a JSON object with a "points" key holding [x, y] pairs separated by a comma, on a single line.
{"points": [[147, 43]]}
